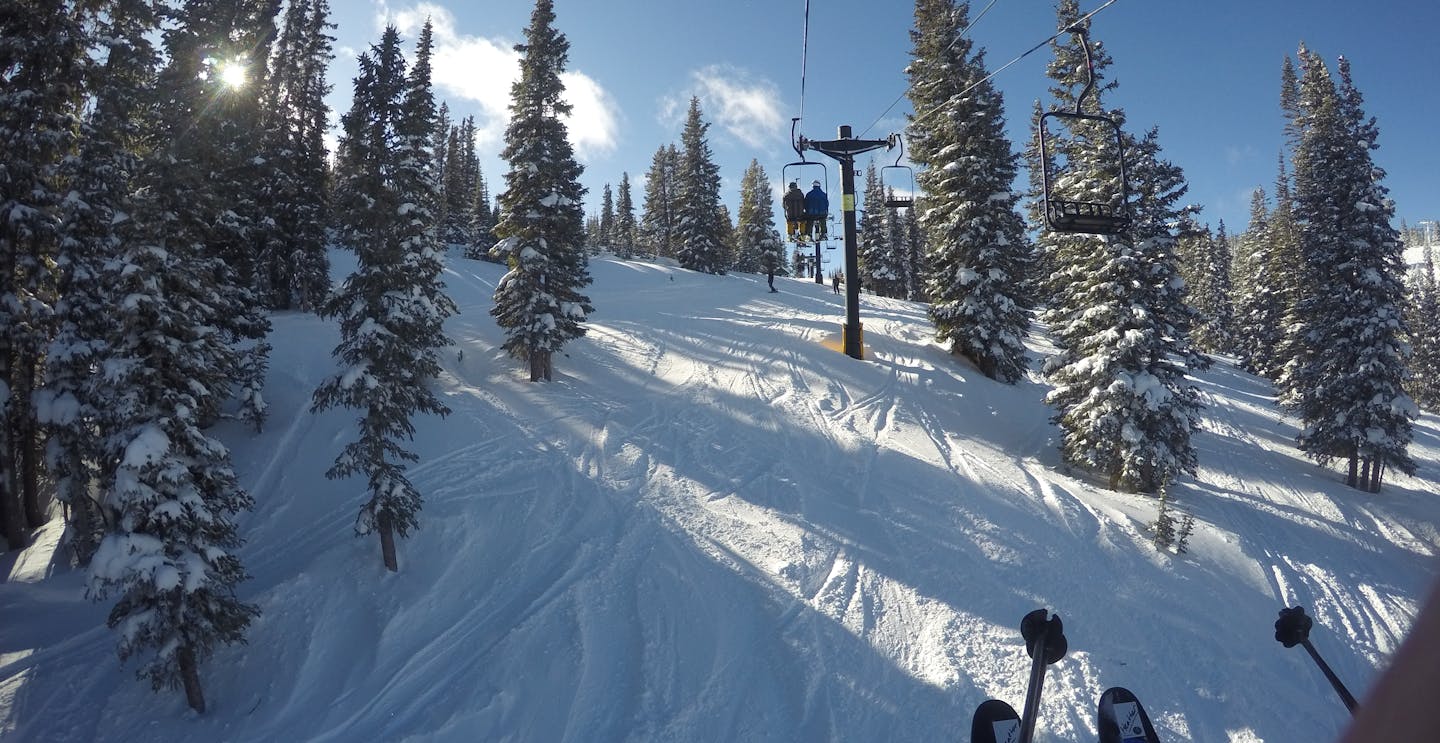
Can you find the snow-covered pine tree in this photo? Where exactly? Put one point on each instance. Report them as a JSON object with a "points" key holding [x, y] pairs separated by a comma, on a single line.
{"points": [[915, 251], [1122, 402], [657, 225], [1257, 321], [42, 62], [725, 231], [625, 228], [759, 249], [1423, 320], [699, 244], [470, 179], [607, 218], [1206, 267], [538, 302], [979, 255], [451, 192], [207, 186], [1347, 380], [311, 261], [896, 239], [882, 255], [293, 268], [94, 227], [392, 308], [482, 220], [168, 490]]}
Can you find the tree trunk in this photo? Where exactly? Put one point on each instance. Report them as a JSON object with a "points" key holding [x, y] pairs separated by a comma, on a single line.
{"points": [[545, 365], [191, 677], [30, 497], [1364, 475], [1354, 470], [1375, 477], [387, 542], [12, 516]]}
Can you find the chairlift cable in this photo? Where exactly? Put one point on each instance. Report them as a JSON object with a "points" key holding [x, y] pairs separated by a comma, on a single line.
{"points": [[906, 92], [1005, 66], [804, 57]]}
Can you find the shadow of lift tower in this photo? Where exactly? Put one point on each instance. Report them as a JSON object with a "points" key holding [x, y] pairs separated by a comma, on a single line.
{"points": [[844, 150]]}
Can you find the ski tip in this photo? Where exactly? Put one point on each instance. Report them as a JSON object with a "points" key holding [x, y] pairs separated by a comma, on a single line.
{"points": [[995, 722], [1122, 719]]}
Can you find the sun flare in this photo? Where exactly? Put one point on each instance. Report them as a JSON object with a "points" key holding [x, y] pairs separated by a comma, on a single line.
{"points": [[233, 74]]}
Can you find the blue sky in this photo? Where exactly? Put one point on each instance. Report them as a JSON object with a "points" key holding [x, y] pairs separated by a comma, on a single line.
{"points": [[1206, 73]]}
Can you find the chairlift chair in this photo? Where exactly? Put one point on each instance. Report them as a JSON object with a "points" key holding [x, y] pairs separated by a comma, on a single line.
{"points": [[803, 169], [887, 184], [1076, 215]]}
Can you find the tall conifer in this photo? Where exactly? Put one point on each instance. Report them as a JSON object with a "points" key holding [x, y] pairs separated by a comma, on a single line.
{"points": [[699, 237], [539, 302]]}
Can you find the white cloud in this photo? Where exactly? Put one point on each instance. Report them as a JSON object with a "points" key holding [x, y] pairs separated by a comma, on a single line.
{"points": [[480, 71], [747, 108]]}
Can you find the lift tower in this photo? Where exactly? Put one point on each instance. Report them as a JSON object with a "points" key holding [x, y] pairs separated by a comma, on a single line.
{"points": [[844, 151]]}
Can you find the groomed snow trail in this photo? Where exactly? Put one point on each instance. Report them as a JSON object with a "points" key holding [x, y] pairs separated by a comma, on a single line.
{"points": [[715, 527]]}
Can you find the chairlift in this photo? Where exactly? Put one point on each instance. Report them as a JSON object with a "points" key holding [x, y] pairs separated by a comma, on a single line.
{"points": [[887, 184], [802, 169], [1078, 215]]}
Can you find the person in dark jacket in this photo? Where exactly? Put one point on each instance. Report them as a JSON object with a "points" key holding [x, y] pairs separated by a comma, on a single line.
{"points": [[794, 204], [817, 208]]}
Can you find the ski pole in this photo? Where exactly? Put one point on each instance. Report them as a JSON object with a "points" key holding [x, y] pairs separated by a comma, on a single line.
{"points": [[1293, 628], [1045, 641]]}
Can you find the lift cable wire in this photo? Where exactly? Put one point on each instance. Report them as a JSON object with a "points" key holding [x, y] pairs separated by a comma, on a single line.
{"points": [[906, 92], [1001, 69], [804, 57]]}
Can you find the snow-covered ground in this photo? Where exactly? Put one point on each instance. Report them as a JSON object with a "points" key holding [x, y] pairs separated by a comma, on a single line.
{"points": [[715, 527]]}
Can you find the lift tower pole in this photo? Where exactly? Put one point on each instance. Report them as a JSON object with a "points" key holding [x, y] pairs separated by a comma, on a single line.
{"points": [[844, 150]]}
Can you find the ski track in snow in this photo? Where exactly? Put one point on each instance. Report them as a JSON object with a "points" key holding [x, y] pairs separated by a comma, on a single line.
{"points": [[713, 526]]}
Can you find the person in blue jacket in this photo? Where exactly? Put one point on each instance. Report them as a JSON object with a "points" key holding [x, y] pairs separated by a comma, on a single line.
{"points": [[817, 208]]}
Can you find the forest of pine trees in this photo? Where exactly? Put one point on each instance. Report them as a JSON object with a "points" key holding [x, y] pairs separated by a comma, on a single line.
{"points": [[130, 244]]}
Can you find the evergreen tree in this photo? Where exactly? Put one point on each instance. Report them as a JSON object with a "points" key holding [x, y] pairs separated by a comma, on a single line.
{"points": [[451, 199], [979, 255], [392, 308], [206, 187], [169, 492], [699, 242], [43, 61], [607, 218], [758, 246], [1207, 257], [625, 227], [1347, 379], [293, 266], [1284, 279], [470, 178], [1122, 402], [658, 225], [915, 270], [92, 233], [482, 220], [538, 302], [1423, 319], [1258, 308], [882, 268]]}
